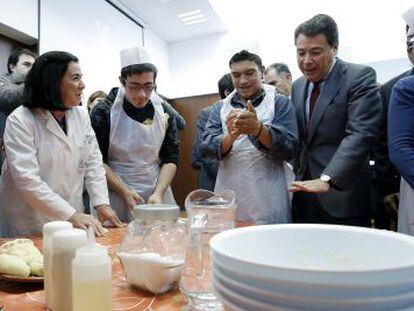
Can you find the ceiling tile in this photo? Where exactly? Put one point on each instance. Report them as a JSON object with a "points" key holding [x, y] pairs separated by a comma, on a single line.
{"points": [[161, 16]]}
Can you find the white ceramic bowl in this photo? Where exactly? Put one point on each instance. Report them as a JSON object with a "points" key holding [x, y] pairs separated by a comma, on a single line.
{"points": [[247, 294], [304, 290], [317, 254]]}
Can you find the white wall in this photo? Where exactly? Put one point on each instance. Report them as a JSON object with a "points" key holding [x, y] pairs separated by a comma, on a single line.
{"points": [[197, 65], [95, 37], [158, 49], [386, 70], [18, 20], [372, 33]]}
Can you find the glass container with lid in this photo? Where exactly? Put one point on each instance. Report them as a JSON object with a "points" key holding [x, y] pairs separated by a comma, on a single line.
{"points": [[152, 252]]}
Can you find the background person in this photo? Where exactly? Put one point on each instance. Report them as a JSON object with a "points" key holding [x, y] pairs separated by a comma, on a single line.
{"points": [[401, 148], [19, 64], [208, 166], [386, 179], [51, 153], [278, 75], [94, 99]]}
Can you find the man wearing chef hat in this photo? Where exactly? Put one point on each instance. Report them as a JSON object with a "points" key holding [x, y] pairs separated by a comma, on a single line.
{"points": [[137, 135], [386, 179]]}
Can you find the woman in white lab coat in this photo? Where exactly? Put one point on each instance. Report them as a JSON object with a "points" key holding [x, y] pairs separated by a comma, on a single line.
{"points": [[52, 154]]}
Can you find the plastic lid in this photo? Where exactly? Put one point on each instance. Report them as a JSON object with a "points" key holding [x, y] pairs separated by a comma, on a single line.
{"points": [[68, 239], [53, 226], [150, 213], [91, 254]]}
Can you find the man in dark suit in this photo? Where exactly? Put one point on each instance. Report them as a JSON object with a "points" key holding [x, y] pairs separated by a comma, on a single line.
{"points": [[386, 178], [208, 166], [338, 108]]}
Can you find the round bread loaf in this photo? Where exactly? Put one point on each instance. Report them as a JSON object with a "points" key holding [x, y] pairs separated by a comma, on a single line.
{"points": [[13, 265]]}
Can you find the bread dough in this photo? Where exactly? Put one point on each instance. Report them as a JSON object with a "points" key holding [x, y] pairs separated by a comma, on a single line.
{"points": [[36, 267], [13, 265], [25, 250]]}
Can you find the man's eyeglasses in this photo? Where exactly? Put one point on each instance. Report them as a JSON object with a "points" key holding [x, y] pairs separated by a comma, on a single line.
{"points": [[147, 87], [410, 42]]}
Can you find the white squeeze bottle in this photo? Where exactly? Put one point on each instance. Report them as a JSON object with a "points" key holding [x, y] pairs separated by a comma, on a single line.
{"points": [[65, 242], [48, 230], [91, 279]]}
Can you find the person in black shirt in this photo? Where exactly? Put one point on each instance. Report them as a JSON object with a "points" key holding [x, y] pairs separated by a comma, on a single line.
{"points": [[138, 137]]}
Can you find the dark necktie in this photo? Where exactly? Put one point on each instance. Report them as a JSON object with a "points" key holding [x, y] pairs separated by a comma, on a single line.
{"points": [[313, 98]]}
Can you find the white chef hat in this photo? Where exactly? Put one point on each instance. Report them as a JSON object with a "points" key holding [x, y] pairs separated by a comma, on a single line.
{"points": [[408, 17], [134, 56]]}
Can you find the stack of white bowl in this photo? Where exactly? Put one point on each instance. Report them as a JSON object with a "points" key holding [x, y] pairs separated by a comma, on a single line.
{"points": [[313, 267]]}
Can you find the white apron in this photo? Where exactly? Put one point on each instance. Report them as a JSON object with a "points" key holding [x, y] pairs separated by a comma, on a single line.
{"points": [[406, 208], [258, 181], [133, 153]]}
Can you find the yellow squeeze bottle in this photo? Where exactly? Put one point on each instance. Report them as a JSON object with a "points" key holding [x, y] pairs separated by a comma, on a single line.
{"points": [[91, 275]]}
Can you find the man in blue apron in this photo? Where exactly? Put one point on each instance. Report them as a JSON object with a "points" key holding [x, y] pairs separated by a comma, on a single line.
{"points": [[137, 135], [252, 132]]}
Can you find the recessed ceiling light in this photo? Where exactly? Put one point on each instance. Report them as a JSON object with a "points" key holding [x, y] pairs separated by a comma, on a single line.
{"points": [[192, 17], [188, 13], [198, 21]]}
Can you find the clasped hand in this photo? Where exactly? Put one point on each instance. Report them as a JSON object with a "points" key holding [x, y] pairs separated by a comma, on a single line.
{"points": [[241, 121]]}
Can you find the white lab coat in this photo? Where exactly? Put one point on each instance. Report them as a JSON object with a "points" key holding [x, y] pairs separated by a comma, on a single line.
{"points": [[46, 170]]}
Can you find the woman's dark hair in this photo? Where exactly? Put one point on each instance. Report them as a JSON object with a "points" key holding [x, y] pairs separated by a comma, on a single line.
{"points": [[138, 69], [319, 24], [42, 86]]}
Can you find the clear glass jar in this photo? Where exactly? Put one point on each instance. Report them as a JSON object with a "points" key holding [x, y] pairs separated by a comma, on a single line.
{"points": [[152, 252]]}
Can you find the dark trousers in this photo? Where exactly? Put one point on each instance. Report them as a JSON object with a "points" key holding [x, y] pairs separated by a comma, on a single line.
{"points": [[306, 208]]}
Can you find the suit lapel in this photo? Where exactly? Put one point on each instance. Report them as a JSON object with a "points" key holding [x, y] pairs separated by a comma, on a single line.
{"points": [[302, 103], [330, 89]]}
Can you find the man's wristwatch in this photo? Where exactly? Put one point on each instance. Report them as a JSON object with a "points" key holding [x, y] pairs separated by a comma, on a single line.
{"points": [[326, 178]]}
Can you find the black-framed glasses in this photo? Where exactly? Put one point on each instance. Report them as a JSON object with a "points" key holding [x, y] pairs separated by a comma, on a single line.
{"points": [[410, 41], [136, 87]]}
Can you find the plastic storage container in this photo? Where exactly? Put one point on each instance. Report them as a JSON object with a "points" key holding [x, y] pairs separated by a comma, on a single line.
{"points": [[91, 279], [48, 230], [65, 242]]}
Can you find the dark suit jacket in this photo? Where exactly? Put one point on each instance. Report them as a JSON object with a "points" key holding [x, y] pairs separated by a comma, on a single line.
{"points": [[385, 172], [208, 166], [344, 126]]}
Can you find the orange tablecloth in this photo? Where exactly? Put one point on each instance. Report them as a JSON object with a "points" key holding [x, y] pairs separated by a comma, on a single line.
{"points": [[30, 297]]}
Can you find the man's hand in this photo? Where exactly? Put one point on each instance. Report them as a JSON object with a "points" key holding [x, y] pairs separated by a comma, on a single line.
{"points": [[106, 213], [132, 198], [313, 186], [155, 198], [247, 121], [230, 122], [83, 221]]}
